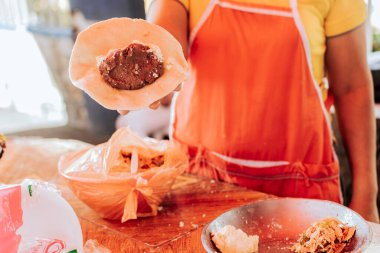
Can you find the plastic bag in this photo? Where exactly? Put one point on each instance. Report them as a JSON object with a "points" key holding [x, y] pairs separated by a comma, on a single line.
{"points": [[35, 218], [125, 178]]}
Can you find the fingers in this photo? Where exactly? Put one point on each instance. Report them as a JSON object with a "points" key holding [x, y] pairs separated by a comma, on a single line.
{"points": [[123, 112], [164, 101], [155, 105], [179, 87]]}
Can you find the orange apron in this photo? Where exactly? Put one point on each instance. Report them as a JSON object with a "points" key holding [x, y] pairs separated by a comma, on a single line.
{"points": [[251, 112]]}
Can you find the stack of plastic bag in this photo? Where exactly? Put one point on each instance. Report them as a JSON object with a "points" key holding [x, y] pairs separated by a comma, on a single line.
{"points": [[126, 177]]}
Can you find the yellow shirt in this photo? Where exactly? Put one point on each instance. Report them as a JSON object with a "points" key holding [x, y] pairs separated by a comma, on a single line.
{"points": [[321, 19]]}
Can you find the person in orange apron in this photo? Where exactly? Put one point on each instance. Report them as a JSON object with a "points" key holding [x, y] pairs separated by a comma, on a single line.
{"points": [[251, 112]]}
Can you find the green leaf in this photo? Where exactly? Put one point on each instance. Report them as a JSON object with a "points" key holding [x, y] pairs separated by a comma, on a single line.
{"points": [[73, 251], [30, 190]]}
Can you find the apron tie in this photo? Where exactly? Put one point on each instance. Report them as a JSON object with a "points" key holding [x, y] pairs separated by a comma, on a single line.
{"points": [[299, 168], [199, 156]]}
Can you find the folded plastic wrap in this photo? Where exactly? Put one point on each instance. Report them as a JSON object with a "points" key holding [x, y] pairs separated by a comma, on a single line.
{"points": [[126, 177]]}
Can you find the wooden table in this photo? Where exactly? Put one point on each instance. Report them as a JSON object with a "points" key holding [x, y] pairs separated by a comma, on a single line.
{"points": [[192, 203]]}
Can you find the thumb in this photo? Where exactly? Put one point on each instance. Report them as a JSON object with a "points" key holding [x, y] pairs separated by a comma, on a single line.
{"points": [[123, 112]]}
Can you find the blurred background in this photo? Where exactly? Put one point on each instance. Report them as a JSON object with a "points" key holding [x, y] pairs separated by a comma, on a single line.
{"points": [[37, 98], [36, 95]]}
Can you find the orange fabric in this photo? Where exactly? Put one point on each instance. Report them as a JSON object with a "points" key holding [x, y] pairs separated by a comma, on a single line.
{"points": [[321, 18], [262, 5], [251, 96]]}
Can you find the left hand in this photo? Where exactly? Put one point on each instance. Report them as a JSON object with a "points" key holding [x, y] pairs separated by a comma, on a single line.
{"points": [[165, 101], [367, 209]]}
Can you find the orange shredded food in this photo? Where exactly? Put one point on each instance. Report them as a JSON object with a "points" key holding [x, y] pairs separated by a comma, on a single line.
{"points": [[325, 236], [144, 162]]}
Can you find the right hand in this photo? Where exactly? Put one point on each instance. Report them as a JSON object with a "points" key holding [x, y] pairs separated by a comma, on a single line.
{"points": [[165, 101]]}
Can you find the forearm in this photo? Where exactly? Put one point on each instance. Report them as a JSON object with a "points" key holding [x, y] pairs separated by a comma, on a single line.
{"points": [[351, 85], [355, 114], [172, 16]]}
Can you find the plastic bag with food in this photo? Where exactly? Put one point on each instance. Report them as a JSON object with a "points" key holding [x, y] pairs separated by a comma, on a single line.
{"points": [[126, 177]]}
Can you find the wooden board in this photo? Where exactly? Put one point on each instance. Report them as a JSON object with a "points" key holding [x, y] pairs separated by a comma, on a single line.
{"points": [[192, 203]]}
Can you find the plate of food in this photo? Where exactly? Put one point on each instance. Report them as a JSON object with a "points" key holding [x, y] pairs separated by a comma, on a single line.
{"points": [[288, 225]]}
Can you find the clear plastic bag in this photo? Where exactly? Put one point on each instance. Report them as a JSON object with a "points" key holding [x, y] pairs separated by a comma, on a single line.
{"points": [[35, 218], [126, 177]]}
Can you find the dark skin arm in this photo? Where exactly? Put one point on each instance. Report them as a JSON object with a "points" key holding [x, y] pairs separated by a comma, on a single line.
{"points": [[351, 84], [171, 15]]}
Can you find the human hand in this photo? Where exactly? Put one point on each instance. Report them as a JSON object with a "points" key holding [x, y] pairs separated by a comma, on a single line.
{"points": [[165, 101], [366, 208]]}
